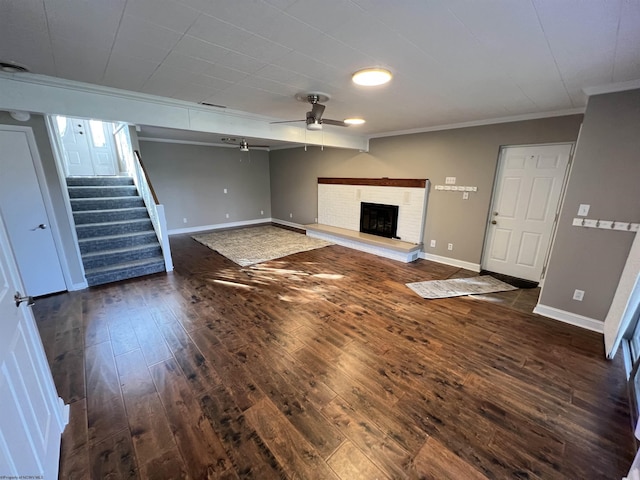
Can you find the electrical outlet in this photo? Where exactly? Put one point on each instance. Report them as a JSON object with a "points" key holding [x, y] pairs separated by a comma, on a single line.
{"points": [[226, 215], [225, 190], [433, 244], [184, 220], [291, 215], [578, 295], [261, 212], [449, 246], [465, 196]]}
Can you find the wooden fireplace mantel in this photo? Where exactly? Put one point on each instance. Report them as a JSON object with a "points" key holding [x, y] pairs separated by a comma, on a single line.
{"points": [[376, 182]]}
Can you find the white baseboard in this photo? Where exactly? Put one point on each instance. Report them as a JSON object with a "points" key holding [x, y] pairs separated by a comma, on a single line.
{"points": [[79, 286], [474, 267], [288, 224], [570, 318], [218, 226]]}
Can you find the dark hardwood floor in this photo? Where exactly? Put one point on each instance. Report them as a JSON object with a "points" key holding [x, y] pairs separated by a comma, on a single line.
{"points": [[324, 365]]}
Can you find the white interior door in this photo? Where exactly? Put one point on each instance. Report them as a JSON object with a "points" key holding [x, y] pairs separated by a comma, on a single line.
{"points": [[26, 217], [33, 416], [525, 202]]}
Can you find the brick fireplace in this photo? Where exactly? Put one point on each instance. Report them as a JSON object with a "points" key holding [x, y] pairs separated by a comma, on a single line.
{"points": [[340, 202]]}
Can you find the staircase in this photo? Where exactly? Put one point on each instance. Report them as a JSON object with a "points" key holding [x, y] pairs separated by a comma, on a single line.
{"points": [[115, 234]]}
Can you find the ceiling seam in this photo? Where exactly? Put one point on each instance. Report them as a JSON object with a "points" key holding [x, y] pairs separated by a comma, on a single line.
{"points": [[615, 53], [113, 44], [555, 61], [53, 53]]}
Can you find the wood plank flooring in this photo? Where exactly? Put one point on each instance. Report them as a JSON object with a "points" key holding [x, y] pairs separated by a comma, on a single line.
{"points": [[324, 365]]}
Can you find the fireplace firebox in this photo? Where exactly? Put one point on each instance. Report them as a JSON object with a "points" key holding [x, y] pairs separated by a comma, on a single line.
{"points": [[379, 219]]}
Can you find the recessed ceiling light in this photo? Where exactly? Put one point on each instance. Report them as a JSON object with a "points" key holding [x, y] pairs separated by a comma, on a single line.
{"points": [[354, 121], [371, 77], [11, 67]]}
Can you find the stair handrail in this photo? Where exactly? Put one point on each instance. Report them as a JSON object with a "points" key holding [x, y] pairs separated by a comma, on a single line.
{"points": [[154, 207], [146, 177]]}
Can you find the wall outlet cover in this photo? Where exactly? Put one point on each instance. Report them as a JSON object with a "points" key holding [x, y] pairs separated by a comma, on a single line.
{"points": [[578, 295], [432, 244], [450, 246]]}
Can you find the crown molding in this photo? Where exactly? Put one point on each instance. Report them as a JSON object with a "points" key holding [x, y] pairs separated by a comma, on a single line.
{"points": [[611, 88], [480, 123]]}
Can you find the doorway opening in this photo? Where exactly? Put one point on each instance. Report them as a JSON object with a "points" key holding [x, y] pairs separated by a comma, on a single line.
{"points": [[527, 195], [88, 147]]}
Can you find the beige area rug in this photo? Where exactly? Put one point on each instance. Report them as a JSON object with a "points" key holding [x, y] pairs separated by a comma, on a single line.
{"points": [[248, 246], [457, 287]]}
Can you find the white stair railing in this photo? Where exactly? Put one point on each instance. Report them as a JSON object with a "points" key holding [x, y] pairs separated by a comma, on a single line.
{"points": [[155, 209]]}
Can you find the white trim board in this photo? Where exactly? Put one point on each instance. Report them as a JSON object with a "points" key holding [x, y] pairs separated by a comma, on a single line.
{"points": [[46, 95], [474, 267], [219, 226], [570, 318], [288, 224]]}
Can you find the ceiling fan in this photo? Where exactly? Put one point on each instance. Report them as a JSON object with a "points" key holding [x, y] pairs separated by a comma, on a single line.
{"points": [[242, 143], [314, 118]]}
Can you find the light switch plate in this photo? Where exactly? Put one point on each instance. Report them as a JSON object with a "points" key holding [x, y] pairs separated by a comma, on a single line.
{"points": [[583, 210], [450, 180]]}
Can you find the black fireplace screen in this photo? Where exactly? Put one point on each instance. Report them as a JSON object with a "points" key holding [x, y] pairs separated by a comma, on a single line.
{"points": [[379, 219]]}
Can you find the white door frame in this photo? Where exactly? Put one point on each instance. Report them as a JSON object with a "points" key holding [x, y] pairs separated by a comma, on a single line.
{"points": [[563, 190], [58, 156], [46, 197]]}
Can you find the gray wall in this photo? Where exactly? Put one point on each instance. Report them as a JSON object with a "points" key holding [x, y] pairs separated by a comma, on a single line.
{"points": [[190, 181], [469, 154], [605, 174], [39, 128]]}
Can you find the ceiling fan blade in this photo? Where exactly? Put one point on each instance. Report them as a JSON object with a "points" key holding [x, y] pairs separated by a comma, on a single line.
{"points": [[316, 111], [337, 123], [289, 121]]}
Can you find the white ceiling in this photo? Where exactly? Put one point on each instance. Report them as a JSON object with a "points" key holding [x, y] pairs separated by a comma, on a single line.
{"points": [[454, 61]]}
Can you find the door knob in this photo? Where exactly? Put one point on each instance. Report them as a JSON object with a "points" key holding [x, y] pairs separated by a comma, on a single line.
{"points": [[493, 222], [19, 299], [42, 226]]}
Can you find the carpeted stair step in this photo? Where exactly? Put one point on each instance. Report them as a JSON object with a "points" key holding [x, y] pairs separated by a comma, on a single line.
{"points": [[109, 215], [96, 181], [89, 230], [110, 242], [105, 203], [104, 258], [102, 191], [122, 271]]}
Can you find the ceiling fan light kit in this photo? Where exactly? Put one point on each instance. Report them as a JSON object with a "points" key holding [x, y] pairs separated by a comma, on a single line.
{"points": [[354, 121], [371, 77]]}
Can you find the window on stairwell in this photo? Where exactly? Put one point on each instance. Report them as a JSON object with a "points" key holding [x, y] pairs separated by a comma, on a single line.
{"points": [[97, 133], [62, 124]]}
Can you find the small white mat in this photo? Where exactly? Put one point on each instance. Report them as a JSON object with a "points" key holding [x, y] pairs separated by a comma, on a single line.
{"points": [[457, 287]]}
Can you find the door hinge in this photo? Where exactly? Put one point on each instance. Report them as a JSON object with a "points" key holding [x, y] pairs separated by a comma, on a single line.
{"points": [[544, 270]]}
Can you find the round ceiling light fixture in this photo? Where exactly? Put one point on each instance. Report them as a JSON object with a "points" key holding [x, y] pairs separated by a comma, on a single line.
{"points": [[354, 121], [371, 77], [12, 67]]}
